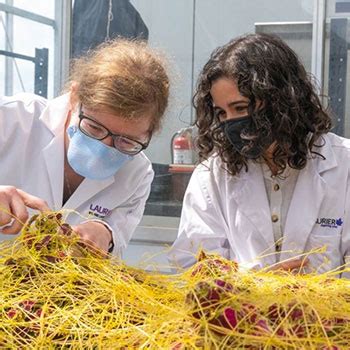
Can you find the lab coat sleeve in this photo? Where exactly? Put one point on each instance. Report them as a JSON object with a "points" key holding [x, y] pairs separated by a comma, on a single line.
{"points": [[124, 219], [202, 224]]}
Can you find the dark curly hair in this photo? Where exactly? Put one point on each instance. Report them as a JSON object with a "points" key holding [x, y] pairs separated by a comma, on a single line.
{"points": [[265, 69]]}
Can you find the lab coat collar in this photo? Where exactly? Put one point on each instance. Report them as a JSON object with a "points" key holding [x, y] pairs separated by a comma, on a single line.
{"points": [[310, 189], [327, 152], [303, 210], [54, 160], [54, 117], [250, 195]]}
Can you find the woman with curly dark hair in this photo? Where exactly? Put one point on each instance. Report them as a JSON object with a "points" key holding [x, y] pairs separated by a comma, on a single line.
{"points": [[273, 182]]}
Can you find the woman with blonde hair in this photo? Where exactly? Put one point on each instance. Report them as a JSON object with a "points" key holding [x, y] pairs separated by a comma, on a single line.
{"points": [[83, 150]]}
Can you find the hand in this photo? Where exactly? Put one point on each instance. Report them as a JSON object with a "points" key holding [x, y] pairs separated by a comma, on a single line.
{"points": [[13, 208], [95, 235], [295, 265]]}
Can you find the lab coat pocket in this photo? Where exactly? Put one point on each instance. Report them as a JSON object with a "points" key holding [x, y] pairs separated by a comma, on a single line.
{"points": [[327, 256]]}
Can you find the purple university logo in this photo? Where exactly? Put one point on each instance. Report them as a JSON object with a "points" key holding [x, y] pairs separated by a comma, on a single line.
{"points": [[330, 222], [98, 210]]}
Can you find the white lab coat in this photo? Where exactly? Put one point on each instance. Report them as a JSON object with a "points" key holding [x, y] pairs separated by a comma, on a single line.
{"points": [[32, 159], [231, 214]]}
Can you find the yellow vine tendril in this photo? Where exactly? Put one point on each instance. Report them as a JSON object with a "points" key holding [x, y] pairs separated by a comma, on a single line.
{"points": [[57, 293]]}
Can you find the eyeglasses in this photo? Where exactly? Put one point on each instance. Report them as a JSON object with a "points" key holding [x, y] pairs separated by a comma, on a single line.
{"points": [[99, 132]]}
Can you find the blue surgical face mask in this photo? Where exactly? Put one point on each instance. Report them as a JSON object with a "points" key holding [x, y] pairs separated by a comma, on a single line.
{"points": [[92, 158]]}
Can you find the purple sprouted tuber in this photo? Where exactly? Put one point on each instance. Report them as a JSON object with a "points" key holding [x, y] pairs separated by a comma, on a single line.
{"points": [[66, 229], [209, 264], [43, 243], [227, 287], [250, 312], [27, 304], [227, 319], [275, 313], [38, 312], [299, 330], [29, 240], [51, 259], [231, 317], [10, 262], [206, 294], [327, 325], [281, 333], [262, 326], [12, 313], [296, 314]]}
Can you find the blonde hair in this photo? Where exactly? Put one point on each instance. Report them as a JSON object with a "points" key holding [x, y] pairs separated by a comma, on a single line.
{"points": [[125, 77]]}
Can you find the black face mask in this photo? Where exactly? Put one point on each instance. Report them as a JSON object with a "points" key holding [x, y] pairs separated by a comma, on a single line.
{"points": [[235, 128]]}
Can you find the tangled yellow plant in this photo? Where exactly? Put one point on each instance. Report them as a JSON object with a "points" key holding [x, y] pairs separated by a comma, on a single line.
{"points": [[57, 293]]}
